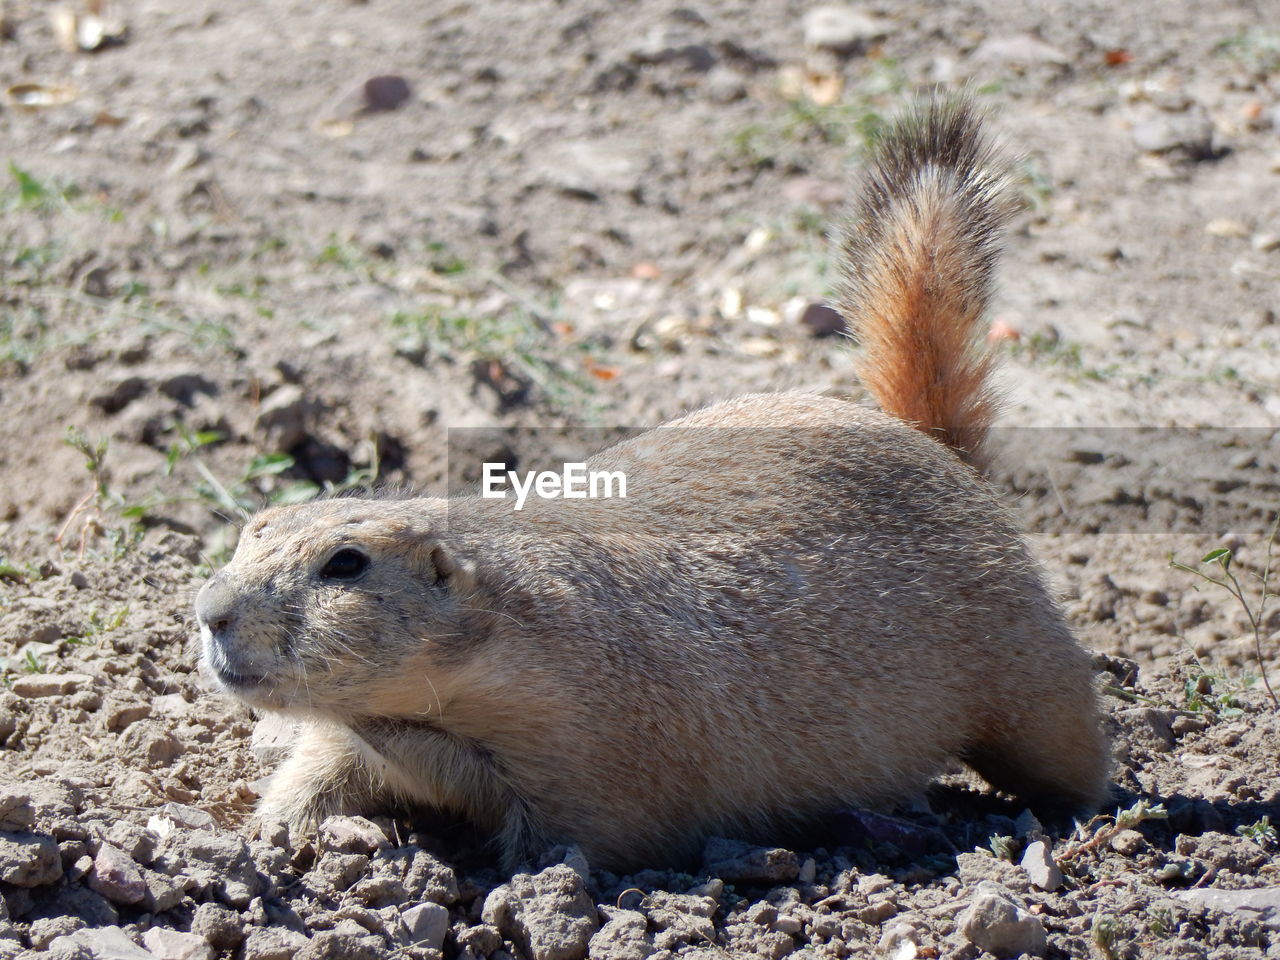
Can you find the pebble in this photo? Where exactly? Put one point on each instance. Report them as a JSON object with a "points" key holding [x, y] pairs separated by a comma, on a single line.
{"points": [[549, 914], [625, 936], [1226, 227], [273, 943], [352, 835], [29, 860], [36, 685], [16, 809], [901, 941], [219, 926], [1259, 903], [1266, 242], [736, 862], [101, 943], [116, 876], [1127, 842], [427, 924], [283, 417], [995, 923], [169, 944], [47, 929], [1190, 133], [1041, 870], [1023, 50], [819, 320], [842, 29]]}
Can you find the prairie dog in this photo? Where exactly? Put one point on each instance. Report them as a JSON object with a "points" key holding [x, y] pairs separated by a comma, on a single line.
{"points": [[802, 604]]}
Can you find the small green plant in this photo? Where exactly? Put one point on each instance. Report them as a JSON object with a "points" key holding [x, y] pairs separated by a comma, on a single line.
{"points": [[1161, 922], [32, 663], [98, 625], [1263, 833], [1255, 48], [1106, 933], [1207, 691], [1105, 827], [1003, 848], [1225, 577], [31, 193], [516, 341]]}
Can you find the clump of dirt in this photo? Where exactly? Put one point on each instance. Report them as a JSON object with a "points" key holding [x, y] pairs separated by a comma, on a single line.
{"points": [[251, 257]]}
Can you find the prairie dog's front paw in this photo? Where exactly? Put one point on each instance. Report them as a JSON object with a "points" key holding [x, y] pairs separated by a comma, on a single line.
{"points": [[323, 776]]}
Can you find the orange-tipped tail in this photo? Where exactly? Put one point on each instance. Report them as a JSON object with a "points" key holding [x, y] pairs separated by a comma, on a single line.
{"points": [[918, 260]]}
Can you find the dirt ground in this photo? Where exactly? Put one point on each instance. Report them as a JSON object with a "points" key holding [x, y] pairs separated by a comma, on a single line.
{"points": [[237, 272]]}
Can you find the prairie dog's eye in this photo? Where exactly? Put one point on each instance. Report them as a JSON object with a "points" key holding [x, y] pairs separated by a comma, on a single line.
{"points": [[347, 564]]}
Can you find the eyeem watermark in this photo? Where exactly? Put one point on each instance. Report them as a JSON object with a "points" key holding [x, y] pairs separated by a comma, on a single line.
{"points": [[573, 482]]}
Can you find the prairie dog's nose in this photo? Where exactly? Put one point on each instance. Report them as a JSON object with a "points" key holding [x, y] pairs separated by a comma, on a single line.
{"points": [[215, 605]]}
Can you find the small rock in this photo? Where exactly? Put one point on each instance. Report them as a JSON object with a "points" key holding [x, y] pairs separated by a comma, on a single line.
{"points": [[119, 715], [995, 923], [737, 862], [672, 43], [219, 926], [1041, 870], [273, 943], [625, 936], [102, 943], [822, 321], [152, 741], [162, 893], [1190, 133], [1127, 842], [29, 859], [352, 835], [427, 924], [1024, 50], [901, 941], [116, 876], [283, 417], [1027, 826], [842, 29], [16, 809], [1266, 242], [36, 685], [1258, 903], [47, 929], [549, 914], [342, 945], [1227, 227], [169, 944]]}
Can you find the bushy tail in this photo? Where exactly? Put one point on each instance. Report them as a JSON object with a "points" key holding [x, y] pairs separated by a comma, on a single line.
{"points": [[918, 258]]}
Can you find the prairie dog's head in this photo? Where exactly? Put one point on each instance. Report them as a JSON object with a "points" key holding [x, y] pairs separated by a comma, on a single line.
{"points": [[343, 606]]}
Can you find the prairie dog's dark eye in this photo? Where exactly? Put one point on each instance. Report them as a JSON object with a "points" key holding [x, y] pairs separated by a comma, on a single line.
{"points": [[346, 564]]}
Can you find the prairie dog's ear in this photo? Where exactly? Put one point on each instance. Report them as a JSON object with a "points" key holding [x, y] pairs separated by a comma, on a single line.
{"points": [[447, 567]]}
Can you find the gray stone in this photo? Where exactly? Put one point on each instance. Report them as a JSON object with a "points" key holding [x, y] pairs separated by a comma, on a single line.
{"points": [[549, 914], [36, 685], [1190, 133], [169, 944], [625, 936], [218, 861], [842, 29], [103, 943], [47, 929], [218, 925], [29, 859], [737, 862], [16, 809], [283, 417], [340, 945], [1257, 903], [1041, 870], [116, 876], [273, 943], [1020, 50], [352, 835], [994, 922], [427, 924]]}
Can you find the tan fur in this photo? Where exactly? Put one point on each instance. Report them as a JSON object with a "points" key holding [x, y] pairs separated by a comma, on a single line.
{"points": [[803, 604]]}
